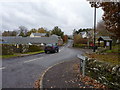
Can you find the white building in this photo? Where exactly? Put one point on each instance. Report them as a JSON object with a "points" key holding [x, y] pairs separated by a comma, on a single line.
{"points": [[38, 35]]}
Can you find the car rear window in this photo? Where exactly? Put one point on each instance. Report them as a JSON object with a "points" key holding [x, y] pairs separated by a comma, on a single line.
{"points": [[49, 45]]}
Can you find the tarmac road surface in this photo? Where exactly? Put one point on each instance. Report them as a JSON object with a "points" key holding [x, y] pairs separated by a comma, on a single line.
{"points": [[22, 72]]}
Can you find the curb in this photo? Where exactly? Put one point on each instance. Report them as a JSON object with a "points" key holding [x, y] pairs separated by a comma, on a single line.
{"points": [[43, 74], [30, 54], [23, 56]]}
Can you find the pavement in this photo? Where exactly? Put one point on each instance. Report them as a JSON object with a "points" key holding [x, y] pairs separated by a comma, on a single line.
{"points": [[60, 76], [63, 75], [67, 75]]}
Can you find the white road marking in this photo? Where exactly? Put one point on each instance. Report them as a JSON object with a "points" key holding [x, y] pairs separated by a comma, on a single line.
{"points": [[1, 68], [40, 58], [33, 60]]}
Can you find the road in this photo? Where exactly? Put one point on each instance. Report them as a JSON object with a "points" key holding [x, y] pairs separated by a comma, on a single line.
{"points": [[23, 71]]}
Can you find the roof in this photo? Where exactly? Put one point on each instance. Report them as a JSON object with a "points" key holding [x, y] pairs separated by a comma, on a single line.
{"points": [[82, 33], [39, 34], [104, 38], [54, 35], [27, 40]]}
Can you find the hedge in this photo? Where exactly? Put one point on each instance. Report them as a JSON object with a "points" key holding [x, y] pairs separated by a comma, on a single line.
{"points": [[34, 48], [9, 49]]}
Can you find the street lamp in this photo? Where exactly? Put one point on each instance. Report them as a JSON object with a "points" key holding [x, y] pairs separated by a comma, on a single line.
{"points": [[95, 5]]}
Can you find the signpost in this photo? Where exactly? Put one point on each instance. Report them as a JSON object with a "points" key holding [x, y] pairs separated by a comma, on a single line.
{"points": [[82, 63]]}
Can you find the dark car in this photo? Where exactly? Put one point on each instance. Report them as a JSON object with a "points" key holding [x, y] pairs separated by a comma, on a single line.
{"points": [[51, 48]]}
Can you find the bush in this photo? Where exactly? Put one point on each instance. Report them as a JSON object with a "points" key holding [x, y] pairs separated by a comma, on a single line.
{"points": [[79, 40], [83, 41], [34, 48], [80, 45], [7, 49], [23, 48]]}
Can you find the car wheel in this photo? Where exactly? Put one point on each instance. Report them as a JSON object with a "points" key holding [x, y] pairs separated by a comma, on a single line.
{"points": [[45, 51], [55, 51]]}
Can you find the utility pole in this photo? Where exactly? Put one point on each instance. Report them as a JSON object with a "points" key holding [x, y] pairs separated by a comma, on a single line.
{"points": [[94, 48], [95, 5]]}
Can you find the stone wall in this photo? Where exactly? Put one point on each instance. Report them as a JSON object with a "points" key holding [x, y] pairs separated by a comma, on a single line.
{"points": [[104, 73]]}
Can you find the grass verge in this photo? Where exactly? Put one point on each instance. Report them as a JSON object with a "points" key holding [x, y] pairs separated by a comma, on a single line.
{"points": [[34, 52], [8, 56], [109, 57], [19, 54]]}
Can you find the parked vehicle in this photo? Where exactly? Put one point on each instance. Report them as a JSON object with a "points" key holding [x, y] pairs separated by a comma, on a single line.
{"points": [[51, 48]]}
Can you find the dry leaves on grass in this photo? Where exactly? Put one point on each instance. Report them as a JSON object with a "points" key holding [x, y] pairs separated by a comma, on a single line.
{"points": [[108, 57], [89, 81]]}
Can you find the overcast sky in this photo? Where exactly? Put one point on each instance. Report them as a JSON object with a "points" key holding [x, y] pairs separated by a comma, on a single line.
{"points": [[67, 14]]}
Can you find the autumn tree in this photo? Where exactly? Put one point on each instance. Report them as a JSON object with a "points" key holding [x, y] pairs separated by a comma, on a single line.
{"points": [[112, 17], [101, 29], [77, 38], [65, 38], [6, 33], [9, 33], [41, 30], [31, 31]]}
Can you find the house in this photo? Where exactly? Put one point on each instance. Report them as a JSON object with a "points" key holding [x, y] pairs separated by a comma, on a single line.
{"points": [[85, 34], [38, 35], [33, 40], [60, 40]]}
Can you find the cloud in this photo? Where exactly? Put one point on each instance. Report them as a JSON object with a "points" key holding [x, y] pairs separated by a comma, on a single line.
{"points": [[67, 14]]}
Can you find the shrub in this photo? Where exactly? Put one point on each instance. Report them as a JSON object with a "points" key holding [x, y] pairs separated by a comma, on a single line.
{"points": [[83, 41], [23, 48], [7, 49], [80, 45], [80, 40], [34, 48]]}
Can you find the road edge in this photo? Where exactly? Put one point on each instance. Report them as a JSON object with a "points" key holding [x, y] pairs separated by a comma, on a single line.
{"points": [[22, 56], [43, 74]]}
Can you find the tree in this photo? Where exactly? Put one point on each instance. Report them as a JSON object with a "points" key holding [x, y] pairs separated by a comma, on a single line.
{"points": [[6, 33], [22, 34], [23, 31], [112, 17], [74, 32], [31, 31], [14, 33], [9, 33], [82, 30], [41, 30], [57, 31], [65, 38], [47, 33], [77, 38], [101, 29]]}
